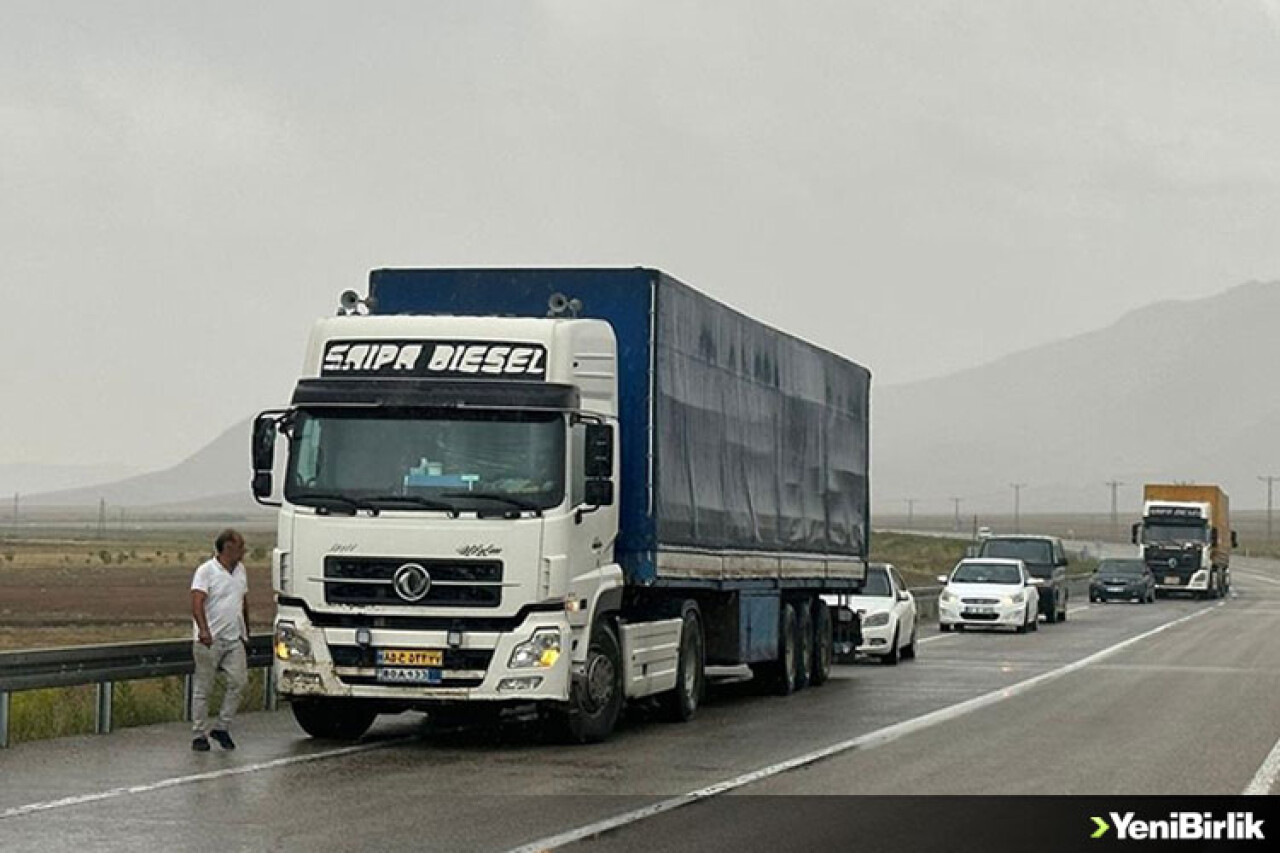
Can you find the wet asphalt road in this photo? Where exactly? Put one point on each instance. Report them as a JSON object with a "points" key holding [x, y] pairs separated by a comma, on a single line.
{"points": [[1188, 708]]}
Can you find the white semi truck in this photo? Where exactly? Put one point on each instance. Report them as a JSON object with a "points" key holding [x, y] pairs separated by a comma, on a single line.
{"points": [[566, 487]]}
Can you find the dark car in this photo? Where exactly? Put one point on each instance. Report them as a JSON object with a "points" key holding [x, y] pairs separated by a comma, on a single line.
{"points": [[1127, 580], [1045, 559]]}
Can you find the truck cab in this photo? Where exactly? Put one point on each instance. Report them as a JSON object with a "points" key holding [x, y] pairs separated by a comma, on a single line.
{"points": [[1046, 562]]}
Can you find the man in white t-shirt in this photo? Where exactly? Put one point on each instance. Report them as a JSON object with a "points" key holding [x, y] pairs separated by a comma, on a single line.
{"points": [[220, 610]]}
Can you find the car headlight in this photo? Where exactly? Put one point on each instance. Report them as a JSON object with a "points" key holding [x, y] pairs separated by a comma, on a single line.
{"points": [[876, 620], [540, 650], [1016, 598], [290, 645], [948, 596]]}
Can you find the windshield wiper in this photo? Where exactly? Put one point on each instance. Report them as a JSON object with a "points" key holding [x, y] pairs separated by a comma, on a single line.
{"points": [[329, 499], [413, 500], [518, 503]]}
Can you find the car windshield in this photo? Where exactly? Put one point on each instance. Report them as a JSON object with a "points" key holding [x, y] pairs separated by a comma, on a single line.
{"points": [[1121, 567], [1026, 550], [877, 583], [986, 573], [1161, 533], [407, 459]]}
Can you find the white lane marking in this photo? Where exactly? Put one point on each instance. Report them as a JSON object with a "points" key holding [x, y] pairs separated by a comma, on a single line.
{"points": [[871, 739], [1265, 779], [81, 799]]}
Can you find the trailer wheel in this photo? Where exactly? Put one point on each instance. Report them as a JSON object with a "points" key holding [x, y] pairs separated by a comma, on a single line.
{"points": [[595, 696], [804, 644], [823, 644], [333, 719], [680, 703], [779, 676]]}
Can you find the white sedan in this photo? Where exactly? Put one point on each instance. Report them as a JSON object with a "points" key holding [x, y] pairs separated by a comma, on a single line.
{"points": [[887, 611], [990, 593]]}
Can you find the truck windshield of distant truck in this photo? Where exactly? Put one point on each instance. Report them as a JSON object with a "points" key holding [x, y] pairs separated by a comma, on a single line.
{"points": [[427, 459], [1160, 533]]}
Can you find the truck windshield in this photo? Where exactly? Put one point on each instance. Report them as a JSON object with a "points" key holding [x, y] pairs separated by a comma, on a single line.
{"points": [[1160, 533], [407, 459]]}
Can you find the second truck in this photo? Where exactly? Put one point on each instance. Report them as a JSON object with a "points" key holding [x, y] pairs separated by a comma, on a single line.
{"points": [[564, 488], [1186, 538]]}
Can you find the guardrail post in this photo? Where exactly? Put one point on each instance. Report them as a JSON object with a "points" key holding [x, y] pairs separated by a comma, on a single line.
{"points": [[106, 690], [4, 720], [188, 696]]}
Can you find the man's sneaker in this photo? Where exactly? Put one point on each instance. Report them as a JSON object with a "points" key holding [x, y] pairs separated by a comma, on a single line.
{"points": [[200, 744], [223, 738]]}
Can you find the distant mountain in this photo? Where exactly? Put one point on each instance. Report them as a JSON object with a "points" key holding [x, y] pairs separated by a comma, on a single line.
{"points": [[1174, 391], [26, 478], [215, 477]]}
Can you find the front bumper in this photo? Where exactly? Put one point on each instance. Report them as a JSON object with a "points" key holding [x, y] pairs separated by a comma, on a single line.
{"points": [[1001, 615], [1198, 582], [473, 670]]}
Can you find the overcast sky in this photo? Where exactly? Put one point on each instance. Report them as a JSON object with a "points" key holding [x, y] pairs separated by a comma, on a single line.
{"points": [[922, 186]]}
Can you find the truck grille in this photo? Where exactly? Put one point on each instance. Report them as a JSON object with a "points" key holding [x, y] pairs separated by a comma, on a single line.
{"points": [[354, 656], [454, 583]]}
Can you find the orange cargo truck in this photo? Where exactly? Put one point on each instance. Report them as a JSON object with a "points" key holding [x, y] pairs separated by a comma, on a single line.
{"points": [[1186, 538]]}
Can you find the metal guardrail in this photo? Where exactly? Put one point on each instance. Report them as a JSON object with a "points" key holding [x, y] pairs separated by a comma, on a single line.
{"points": [[105, 665]]}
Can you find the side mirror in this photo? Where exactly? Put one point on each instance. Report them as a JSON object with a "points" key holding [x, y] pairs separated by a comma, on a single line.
{"points": [[598, 492], [1133, 532], [903, 596], [1063, 562], [263, 453], [1035, 581], [599, 452], [1213, 536], [1235, 540], [942, 579]]}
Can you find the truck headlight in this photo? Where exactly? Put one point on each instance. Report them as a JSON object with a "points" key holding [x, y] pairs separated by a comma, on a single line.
{"points": [[541, 650], [290, 645], [876, 620]]}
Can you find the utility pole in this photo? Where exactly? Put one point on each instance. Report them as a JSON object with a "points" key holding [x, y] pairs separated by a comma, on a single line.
{"points": [[1017, 505], [15, 509], [956, 501], [911, 510], [1115, 517], [1270, 481], [102, 517]]}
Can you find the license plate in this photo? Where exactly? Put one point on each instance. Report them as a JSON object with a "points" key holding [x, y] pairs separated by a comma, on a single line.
{"points": [[1171, 580], [408, 675], [980, 611], [410, 657]]}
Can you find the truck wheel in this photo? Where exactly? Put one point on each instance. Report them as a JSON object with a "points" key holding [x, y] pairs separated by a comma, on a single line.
{"points": [[595, 697], [680, 703], [804, 644], [333, 719], [779, 676], [823, 644]]}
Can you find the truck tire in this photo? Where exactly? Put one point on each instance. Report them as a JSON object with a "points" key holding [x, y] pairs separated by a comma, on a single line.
{"points": [[823, 644], [595, 697], [333, 719], [680, 703], [779, 676], [804, 644]]}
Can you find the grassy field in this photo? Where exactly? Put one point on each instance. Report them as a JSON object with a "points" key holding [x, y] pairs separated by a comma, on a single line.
{"points": [[921, 559]]}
